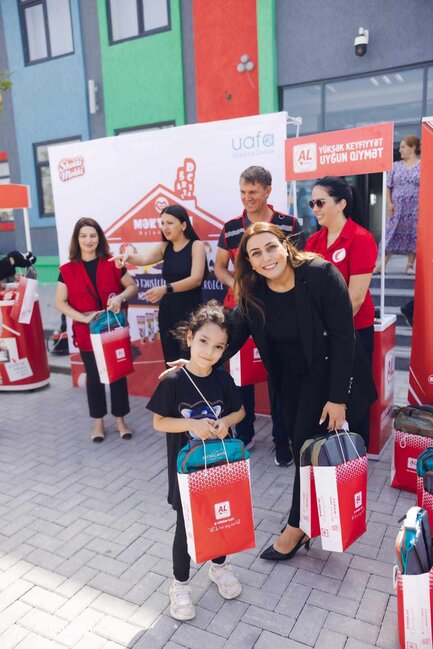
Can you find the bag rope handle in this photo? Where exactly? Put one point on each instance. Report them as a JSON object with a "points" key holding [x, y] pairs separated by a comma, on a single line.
{"points": [[108, 318], [345, 429], [214, 414]]}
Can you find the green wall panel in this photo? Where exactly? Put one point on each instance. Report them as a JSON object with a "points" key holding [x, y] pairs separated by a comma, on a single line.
{"points": [[47, 269], [266, 36], [143, 77]]}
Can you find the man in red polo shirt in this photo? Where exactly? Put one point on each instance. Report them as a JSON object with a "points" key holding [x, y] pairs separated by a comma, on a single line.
{"points": [[255, 187]]}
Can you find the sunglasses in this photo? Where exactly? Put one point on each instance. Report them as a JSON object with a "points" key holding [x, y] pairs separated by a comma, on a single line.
{"points": [[320, 202]]}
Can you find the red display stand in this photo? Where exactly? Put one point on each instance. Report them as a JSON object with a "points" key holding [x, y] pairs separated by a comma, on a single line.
{"points": [[23, 353], [383, 373]]}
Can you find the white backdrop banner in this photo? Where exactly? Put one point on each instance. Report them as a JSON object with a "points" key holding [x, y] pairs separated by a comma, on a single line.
{"points": [[124, 182]]}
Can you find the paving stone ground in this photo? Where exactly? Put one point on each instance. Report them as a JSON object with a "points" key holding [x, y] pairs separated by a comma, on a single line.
{"points": [[86, 534]]}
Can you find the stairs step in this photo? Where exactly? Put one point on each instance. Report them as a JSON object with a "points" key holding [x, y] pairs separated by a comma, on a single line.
{"points": [[402, 363], [402, 352], [407, 292], [399, 289], [394, 281], [397, 299]]}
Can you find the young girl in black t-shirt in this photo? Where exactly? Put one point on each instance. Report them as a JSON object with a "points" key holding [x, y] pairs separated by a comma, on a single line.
{"points": [[179, 408]]}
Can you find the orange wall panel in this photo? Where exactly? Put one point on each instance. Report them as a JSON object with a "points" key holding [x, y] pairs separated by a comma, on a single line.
{"points": [[224, 30]]}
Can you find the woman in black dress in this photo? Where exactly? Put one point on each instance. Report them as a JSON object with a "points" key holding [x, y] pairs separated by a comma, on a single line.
{"points": [[184, 265], [297, 308]]}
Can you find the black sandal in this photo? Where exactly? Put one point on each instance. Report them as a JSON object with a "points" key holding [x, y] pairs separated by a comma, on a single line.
{"points": [[97, 437]]}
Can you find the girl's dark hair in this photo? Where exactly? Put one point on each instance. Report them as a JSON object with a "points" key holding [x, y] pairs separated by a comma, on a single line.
{"points": [[180, 213], [102, 251], [212, 312], [339, 189], [247, 280]]}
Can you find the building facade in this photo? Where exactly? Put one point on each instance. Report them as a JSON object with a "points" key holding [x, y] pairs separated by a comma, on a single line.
{"points": [[85, 69]]}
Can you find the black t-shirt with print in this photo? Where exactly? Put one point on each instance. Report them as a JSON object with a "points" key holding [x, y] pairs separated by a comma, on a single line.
{"points": [[176, 396]]}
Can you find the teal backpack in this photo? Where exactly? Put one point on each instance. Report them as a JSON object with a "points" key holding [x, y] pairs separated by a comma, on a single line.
{"points": [[107, 320], [197, 455], [414, 543], [424, 468]]}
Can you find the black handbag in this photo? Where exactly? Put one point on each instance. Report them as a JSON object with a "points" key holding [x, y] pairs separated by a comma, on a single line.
{"points": [[333, 449], [415, 420]]}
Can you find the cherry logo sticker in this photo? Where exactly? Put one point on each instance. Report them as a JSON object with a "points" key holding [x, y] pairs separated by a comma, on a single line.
{"points": [[339, 255]]}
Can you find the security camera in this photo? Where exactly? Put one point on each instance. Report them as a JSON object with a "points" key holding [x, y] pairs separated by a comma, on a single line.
{"points": [[361, 42]]}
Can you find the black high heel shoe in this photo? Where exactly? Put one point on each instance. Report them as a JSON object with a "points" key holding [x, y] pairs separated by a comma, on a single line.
{"points": [[271, 554]]}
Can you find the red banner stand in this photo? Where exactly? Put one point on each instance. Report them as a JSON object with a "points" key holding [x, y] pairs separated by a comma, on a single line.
{"points": [[383, 374], [421, 360], [22, 346]]}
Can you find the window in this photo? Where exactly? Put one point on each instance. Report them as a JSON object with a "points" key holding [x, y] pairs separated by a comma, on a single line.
{"points": [[47, 29], [135, 18], [400, 95], [43, 175], [393, 96], [147, 127], [6, 216], [305, 102]]}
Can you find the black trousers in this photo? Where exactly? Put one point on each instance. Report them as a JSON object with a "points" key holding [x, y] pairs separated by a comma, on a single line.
{"points": [[302, 408], [245, 428], [96, 391], [367, 338], [181, 558]]}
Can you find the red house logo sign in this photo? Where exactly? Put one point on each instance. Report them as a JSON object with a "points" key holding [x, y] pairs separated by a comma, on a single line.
{"points": [[141, 222]]}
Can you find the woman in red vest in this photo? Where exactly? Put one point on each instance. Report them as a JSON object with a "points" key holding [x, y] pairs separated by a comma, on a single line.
{"points": [[89, 283]]}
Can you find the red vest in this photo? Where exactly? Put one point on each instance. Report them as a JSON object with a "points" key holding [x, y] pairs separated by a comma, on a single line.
{"points": [[83, 297]]}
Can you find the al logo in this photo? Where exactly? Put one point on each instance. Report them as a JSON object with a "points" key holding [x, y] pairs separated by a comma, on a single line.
{"points": [[304, 157], [222, 510]]}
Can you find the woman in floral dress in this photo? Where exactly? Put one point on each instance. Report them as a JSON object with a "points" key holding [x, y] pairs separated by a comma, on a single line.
{"points": [[402, 202]]}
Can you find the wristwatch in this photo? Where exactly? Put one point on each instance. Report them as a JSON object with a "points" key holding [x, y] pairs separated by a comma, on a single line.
{"points": [[169, 288]]}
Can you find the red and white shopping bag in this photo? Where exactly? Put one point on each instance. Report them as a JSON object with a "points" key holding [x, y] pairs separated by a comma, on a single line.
{"points": [[405, 453], [217, 509], [112, 351], [424, 499], [415, 609], [246, 366], [26, 291], [341, 493], [309, 514]]}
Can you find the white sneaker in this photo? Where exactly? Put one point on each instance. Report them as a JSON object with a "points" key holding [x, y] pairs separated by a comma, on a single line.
{"points": [[181, 606], [228, 585]]}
